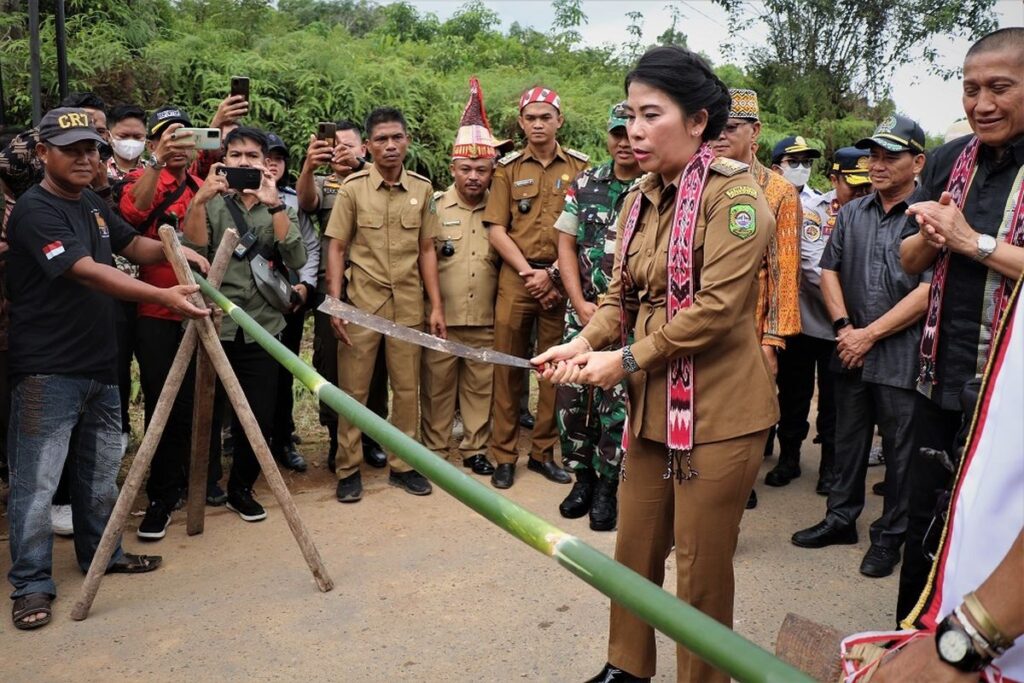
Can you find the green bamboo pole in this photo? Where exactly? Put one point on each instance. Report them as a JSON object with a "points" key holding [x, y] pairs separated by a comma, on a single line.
{"points": [[705, 637]]}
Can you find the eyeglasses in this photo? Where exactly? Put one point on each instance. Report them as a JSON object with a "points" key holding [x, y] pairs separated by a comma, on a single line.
{"points": [[795, 163], [731, 128]]}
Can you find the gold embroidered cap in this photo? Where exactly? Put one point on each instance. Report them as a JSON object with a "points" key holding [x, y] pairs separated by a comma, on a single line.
{"points": [[744, 105]]}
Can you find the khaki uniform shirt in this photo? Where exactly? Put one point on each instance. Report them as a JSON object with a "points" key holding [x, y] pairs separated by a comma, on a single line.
{"points": [[469, 277], [522, 182], [382, 225], [734, 390]]}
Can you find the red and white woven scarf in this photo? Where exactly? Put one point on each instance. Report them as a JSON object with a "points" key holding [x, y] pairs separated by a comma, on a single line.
{"points": [[681, 287]]}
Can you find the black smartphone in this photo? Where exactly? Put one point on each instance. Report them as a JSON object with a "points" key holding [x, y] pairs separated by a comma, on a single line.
{"points": [[240, 86], [242, 178], [326, 131]]}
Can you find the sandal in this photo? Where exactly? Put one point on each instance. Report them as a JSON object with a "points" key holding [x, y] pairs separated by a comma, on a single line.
{"points": [[28, 605], [135, 564]]}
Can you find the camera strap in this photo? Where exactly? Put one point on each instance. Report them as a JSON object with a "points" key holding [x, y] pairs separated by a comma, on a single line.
{"points": [[157, 214], [274, 287]]}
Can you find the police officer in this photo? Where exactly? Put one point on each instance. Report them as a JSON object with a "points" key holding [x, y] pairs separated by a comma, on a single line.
{"points": [[590, 419], [316, 195], [814, 346], [468, 271], [527, 197], [384, 220]]}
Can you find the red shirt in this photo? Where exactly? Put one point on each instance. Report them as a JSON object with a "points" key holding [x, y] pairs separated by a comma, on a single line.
{"points": [[159, 274]]}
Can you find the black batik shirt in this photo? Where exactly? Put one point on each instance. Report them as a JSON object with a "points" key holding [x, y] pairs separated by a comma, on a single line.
{"points": [[964, 334], [59, 326]]}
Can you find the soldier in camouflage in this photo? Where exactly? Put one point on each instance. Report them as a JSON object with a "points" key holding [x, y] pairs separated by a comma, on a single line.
{"points": [[590, 419]]}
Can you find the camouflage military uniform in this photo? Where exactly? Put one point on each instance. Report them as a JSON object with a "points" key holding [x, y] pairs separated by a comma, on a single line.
{"points": [[590, 419]]}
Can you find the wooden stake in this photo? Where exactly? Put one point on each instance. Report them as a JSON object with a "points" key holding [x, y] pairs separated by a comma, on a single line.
{"points": [[202, 403], [211, 341]]}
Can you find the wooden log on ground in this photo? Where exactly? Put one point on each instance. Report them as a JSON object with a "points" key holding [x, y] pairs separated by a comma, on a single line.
{"points": [[209, 338], [810, 647], [202, 403]]}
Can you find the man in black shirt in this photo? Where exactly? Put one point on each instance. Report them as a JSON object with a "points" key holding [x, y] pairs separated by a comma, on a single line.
{"points": [[62, 357], [973, 229], [875, 309]]}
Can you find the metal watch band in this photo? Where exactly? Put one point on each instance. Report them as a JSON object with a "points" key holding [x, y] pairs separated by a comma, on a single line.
{"points": [[629, 363]]}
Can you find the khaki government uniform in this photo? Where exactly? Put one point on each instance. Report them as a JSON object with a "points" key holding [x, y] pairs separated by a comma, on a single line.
{"points": [[382, 226], [469, 284], [735, 405], [522, 181]]}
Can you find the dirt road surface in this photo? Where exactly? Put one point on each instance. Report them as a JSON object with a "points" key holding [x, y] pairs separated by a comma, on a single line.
{"points": [[426, 590]]}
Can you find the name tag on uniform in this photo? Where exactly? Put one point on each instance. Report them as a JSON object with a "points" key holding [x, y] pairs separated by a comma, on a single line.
{"points": [[524, 182], [447, 223]]}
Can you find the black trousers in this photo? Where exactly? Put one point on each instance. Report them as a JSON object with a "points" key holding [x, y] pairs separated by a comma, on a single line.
{"points": [[860, 406], [257, 372], [797, 365], [937, 429], [126, 344], [157, 344], [284, 425]]}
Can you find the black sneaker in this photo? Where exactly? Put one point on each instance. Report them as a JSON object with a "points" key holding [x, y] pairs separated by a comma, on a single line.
{"points": [[350, 489], [154, 524], [412, 481], [245, 505], [215, 495]]}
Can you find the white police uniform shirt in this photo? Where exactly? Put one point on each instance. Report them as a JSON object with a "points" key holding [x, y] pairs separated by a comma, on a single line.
{"points": [[815, 320]]}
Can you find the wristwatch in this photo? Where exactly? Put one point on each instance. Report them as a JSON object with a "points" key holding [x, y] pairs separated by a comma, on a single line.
{"points": [[840, 323], [154, 162], [629, 363], [956, 647], [276, 209], [986, 246]]}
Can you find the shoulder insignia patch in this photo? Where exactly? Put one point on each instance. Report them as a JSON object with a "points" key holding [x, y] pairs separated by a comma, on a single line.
{"points": [[742, 220], [358, 174], [510, 157], [424, 178], [741, 190], [811, 217], [577, 154], [438, 195], [728, 167]]}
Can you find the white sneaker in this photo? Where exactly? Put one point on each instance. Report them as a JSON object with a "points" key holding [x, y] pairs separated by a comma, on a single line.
{"points": [[875, 457], [60, 520]]}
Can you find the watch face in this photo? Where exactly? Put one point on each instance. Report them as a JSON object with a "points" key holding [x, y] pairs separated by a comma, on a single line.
{"points": [[953, 646]]}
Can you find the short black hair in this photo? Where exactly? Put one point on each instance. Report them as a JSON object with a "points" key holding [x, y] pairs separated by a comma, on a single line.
{"points": [[384, 115], [247, 133], [125, 111], [1003, 39], [686, 78], [88, 100], [345, 124]]}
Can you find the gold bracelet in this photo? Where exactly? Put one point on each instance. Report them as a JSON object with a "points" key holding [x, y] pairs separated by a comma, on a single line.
{"points": [[986, 625]]}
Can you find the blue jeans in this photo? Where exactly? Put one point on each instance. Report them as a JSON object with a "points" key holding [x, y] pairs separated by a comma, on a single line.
{"points": [[52, 416]]}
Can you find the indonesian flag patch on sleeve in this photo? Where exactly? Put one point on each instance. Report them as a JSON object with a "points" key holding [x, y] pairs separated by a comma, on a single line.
{"points": [[53, 250]]}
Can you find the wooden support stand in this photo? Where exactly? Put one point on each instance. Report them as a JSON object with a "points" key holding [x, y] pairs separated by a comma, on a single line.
{"points": [[204, 333], [810, 647]]}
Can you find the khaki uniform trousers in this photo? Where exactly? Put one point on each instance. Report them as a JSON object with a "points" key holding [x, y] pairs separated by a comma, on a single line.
{"points": [[445, 377], [702, 517], [514, 315], [355, 372]]}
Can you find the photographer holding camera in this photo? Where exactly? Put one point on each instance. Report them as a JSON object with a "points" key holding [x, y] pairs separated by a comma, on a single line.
{"points": [[241, 194]]}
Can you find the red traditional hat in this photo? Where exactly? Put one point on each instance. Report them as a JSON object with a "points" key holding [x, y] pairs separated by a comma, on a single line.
{"points": [[540, 94], [474, 139]]}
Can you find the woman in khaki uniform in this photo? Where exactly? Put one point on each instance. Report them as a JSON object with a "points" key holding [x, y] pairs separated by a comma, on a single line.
{"points": [[701, 397]]}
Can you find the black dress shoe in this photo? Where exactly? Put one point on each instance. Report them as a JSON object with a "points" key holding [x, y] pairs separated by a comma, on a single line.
{"points": [[783, 473], [824, 534], [412, 481], [577, 503], [604, 512], [374, 455], [550, 470], [752, 500], [611, 674], [526, 420], [350, 489], [291, 458], [879, 561], [479, 464], [504, 475]]}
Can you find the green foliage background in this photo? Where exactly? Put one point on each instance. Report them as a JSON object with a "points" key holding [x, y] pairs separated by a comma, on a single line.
{"points": [[313, 60]]}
